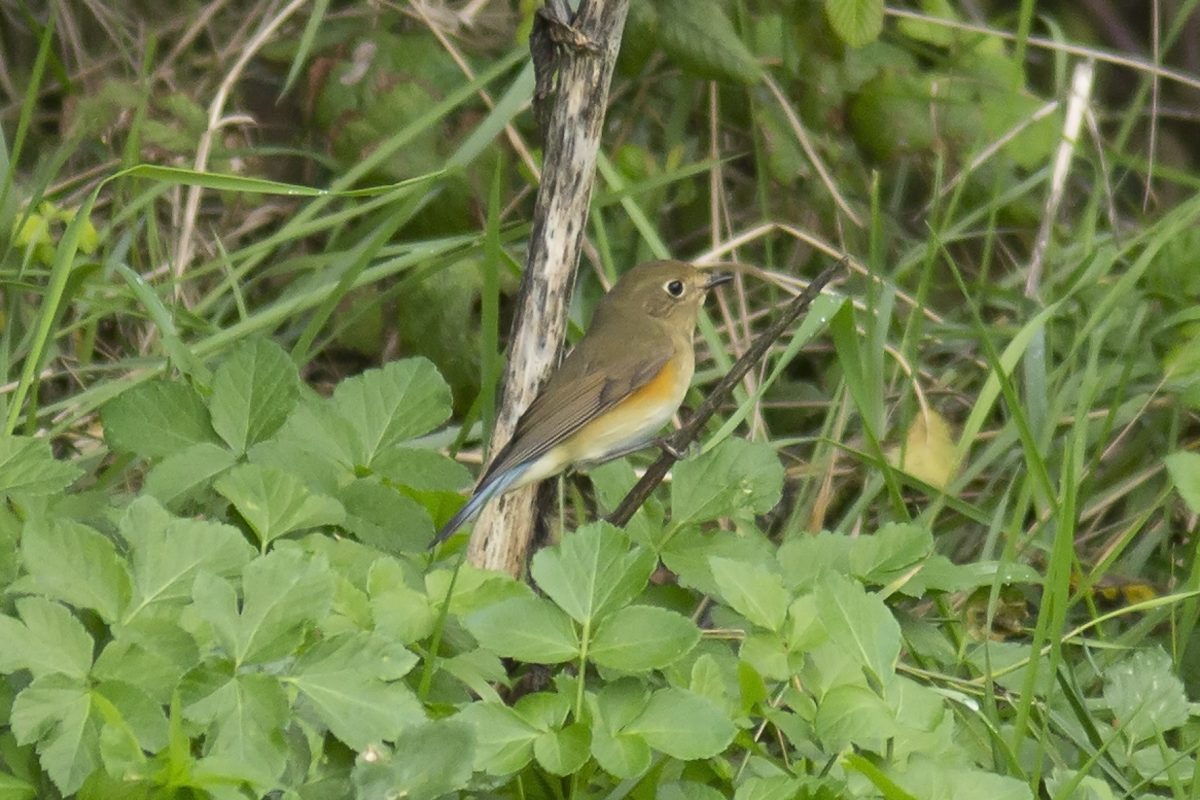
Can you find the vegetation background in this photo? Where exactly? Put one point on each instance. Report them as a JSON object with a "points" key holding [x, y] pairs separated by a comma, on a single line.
{"points": [[941, 545]]}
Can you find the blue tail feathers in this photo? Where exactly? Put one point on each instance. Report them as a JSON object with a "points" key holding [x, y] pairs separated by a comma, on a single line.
{"points": [[493, 488]]}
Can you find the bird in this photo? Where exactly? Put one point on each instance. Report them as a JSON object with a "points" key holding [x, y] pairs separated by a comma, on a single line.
{"points": [[612, 394]]}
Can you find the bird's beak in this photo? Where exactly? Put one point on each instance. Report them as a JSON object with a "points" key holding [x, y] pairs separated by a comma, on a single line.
{"points": [[716, 279]]}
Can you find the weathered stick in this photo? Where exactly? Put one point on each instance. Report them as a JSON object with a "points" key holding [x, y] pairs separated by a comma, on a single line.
{"points": [[578, 54], [678, 441]]}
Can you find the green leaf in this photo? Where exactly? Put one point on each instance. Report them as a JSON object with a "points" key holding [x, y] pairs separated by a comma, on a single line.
{"points": [[1184, 469], [74, 563], [167, 552], [286, 592], [275, 503], [861, 624], [751, 590], [1145, 695], [527, 628], [621, 755], [593, 571], [391, 405], [47, 640], [855, 715], [734, 476], [503, 740], [398, 611], [683, 725], [890, 551], [246, 715], [137, 711], [856, 22], [640, 638], [562, 752], [158, 651], [384, 518], [698, 36], [423, 470], [56, 712], [13, 788], [253, 391], [352, 683], [156, 419], [431, 760], [179, 477], [28, 467]]}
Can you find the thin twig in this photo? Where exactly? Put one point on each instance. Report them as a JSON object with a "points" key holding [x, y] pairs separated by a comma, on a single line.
{"points": [[679, 441]]}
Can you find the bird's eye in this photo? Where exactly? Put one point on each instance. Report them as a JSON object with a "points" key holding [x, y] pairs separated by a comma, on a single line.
{"points": [[674, 288]]}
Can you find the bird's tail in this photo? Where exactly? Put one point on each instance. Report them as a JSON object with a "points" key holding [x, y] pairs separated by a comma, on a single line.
{"points": [[493, 488]]}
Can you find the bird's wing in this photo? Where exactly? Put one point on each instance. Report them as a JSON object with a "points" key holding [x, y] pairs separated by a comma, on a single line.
{"points": [[575, 395]]}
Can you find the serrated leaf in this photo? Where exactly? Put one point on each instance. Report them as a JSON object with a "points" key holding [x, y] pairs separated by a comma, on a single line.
{"points": [[285, 593], [47, 640], [751, 590], [853, 714], [424, 470], [275, 503], [698, 36], [159, 652], [178, 477], [503, 740], [167, 552], [856, 22], [246, 715], [641, 638], [683, 725], [76, 564], [56, 712], [391, 405], [253, 391], [28, 467], [156, 419], [735, 476], [1145, 695], [1184, 469], [527, 628], [352, 682], [593, 571], [860, 624], [431, 760], [384, 518]]}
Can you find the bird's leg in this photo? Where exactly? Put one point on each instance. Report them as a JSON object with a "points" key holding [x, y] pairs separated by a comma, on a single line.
{"points": [[674, 452]]}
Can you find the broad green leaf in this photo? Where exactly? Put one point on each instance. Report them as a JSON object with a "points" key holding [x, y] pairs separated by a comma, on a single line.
{"points": [[544, 710], [683, 725], [698, 36], [384, 518], [503, 740], [751, 590], [316, 443], [28, 467], [593, 571], [431, 760], [178, 477], [13, 788], [137, 711], [688, 555], [156, 419], [158, 651], [621, 755], [807, 558], [526, 628], [245, 715], [641, 638], [285, 593], [56, 712], [399, 612], [423, 470], [76, 564], [856, 22], [1184, 469], [935, 778], [275, 503], [352, 682], [736, 475], [47, 640], [853, 715], [861, 624], [1145, 695], [893, 549], [391, 405], [253, 391], [563, 751], [775, 787], [167, 552]]}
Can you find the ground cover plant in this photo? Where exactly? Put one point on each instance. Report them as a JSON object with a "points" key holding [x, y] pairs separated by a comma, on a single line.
{"points": [[257, 266]]}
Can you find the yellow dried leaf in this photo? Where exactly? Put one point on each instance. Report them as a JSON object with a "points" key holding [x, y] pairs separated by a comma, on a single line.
{"points": [[928, 452]]}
